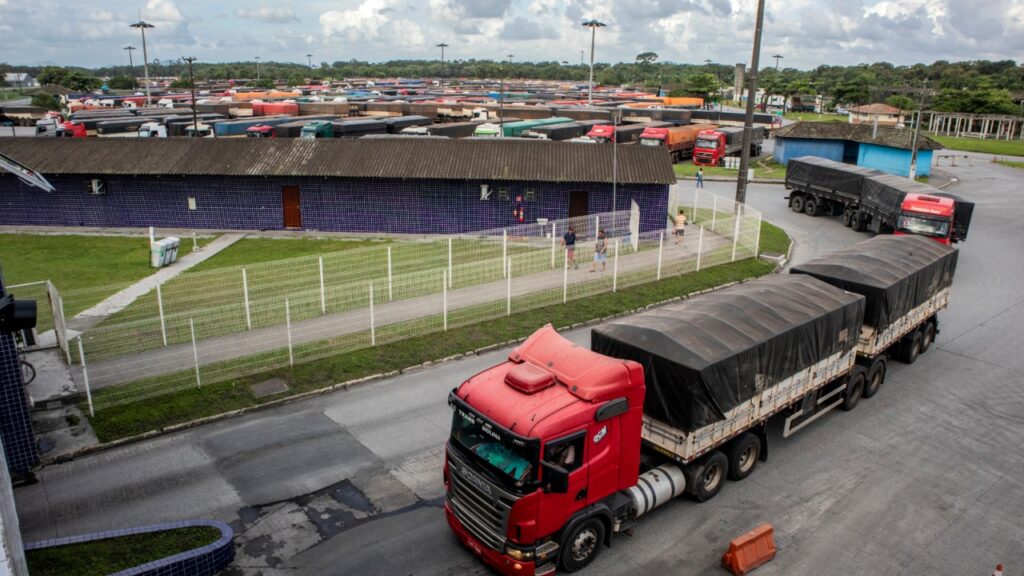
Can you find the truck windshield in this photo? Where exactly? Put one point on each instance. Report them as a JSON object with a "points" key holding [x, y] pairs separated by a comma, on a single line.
{"points": [[706, 143], [651, 141], [511, 457], [923, 226]]}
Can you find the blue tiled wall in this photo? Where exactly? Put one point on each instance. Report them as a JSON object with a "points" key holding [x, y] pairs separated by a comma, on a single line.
{"points": [[346, 205], [893, 160], [787, 148], [15, 423]]}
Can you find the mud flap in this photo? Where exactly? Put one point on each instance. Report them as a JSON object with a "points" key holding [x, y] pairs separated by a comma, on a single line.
{"points": [[815, 405]]}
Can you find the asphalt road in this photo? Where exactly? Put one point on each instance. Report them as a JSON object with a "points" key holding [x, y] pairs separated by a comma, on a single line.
{"points": [[924, 478]]}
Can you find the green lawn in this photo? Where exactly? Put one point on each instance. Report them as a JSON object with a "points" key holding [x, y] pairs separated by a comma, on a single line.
{"points": [[125, 420], [1018, 165], [990, 146], [815, 117], [103, 557], [763, 168], [8, 94], [254, 250]]}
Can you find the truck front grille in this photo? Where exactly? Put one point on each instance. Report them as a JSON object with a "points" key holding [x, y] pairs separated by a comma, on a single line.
{"points": [[482, 507]]}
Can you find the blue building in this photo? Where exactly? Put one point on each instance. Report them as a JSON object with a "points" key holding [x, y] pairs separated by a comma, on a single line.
{"points": [[389, 185], [883, 148]]}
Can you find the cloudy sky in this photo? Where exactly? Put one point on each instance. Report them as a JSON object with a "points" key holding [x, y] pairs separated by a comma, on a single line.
{"points": [[806, 32]]}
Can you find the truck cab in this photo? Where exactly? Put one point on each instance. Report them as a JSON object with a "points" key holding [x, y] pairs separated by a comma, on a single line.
{"points": [[926, 215], [602, 133], [540, 448], [709, 149], [317, 129], [152, 130], [654, 137], [203, 131], [71, 130], [259, 131]]}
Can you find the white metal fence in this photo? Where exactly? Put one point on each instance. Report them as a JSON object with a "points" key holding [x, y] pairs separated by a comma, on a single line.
{"points": [[207, 327]]}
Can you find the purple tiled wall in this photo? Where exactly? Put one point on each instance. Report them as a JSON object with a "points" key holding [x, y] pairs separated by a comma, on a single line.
{"points": [[15, 422], [329, 204]]}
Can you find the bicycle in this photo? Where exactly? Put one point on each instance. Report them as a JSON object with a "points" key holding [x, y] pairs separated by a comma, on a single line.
{"points": [[28, 371]]}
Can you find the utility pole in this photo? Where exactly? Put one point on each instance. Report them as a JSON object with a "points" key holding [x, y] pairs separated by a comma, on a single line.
{"points": [[442, 46], [748, 123], [593, 24], [501, 101], [777, 58], [616, 120], [192, 86], [142, 25], [309, 61], [917, 132], [257, 69], [131, 64]]}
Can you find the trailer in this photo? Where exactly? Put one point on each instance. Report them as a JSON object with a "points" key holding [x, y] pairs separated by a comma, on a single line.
{"points": [[449, 129], [395, 124], [563, 131], [357, 128], [623, 133], [678, 141], [713, 145]]}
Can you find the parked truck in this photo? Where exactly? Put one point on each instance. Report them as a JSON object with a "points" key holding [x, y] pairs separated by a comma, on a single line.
{"points": [[713, 146], [872, 200], [678, 140], [450, 129], [559, 447], [623, 133]]}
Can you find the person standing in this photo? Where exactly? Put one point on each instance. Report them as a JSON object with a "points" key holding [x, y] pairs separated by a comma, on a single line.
{"points": [[700, 177], [569, 241], [679, 229], [600, 252]]}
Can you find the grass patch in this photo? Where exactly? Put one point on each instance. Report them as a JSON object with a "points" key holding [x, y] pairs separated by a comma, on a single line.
{"points": [[1018, 165], [191, 403], [815, 117], [763, 168], [111, 555], [1002, 147], [249, 251]]}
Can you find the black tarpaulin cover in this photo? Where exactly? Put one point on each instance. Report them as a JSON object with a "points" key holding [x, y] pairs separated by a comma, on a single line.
{"points": [[845, 179], [895, 273], [962, 213], [886, 192], [704, 356]]}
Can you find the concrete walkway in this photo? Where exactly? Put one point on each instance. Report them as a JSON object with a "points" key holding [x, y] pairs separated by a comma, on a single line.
{"points": [[121, 300], [176, 358]]}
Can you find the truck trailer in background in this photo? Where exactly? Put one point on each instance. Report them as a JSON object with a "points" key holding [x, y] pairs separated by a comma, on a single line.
{"points": [[713, 146], [678, 140]]}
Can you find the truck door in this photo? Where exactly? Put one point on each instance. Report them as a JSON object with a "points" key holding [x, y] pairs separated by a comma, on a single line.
{"points": [[569, 452]]}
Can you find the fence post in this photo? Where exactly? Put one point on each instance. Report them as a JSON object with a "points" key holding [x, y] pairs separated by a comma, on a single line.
{"points": [[757, 236], [615, 268], [661, 248], [323, 294], [553, 224], [85, 377], [449, 284], [160, 307], [508, 289], [444, 298], [288, 327], [700, 246], [60, 306], [373, 328], [245, 290], [597, 225], [504, 249], [736, 230], [195, 351], [390, 286], [565, 279], [696, 200], [714, 212]]}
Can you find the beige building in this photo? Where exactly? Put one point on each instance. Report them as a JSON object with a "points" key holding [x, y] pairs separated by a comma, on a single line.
{"points": [[887, 115]]}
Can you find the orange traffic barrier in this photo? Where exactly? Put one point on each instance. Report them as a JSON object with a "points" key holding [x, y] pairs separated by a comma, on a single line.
{"points": [[750, 550]]}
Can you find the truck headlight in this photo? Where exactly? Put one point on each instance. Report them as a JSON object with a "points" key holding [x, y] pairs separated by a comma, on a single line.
{"points": [[521, 554]]}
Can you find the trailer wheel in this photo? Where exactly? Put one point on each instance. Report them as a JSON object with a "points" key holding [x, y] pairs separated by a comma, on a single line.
{"points": [[582, 544], [710, 476], [911, 347], [743, 455], [855, 389], [927, 336], [876, 376], [847, 217], [811, 206], [859, 224], [796, 203]]}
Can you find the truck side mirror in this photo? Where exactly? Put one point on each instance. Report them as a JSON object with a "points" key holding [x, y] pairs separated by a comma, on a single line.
{"points": [[556, 478]]}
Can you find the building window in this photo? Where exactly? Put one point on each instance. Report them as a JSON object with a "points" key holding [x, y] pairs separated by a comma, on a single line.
{"points": [[502, 193], [191, 203], [530, 194]]}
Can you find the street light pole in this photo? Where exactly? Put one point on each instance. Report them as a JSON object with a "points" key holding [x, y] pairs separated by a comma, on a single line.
{"points": [[142, 25], [131, 64], [748, 124], [442, 46], [192, 86], [777, 58], [501, 101], [593, 25], [616, 120], [309, 61], [257, 69]]}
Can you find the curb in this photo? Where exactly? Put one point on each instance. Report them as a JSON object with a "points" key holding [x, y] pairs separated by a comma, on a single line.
{"points": [[341, 386]]}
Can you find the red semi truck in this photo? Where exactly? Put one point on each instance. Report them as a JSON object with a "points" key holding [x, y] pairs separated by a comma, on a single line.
{"points": [[556, 449], [678, 140], [714, 145]]}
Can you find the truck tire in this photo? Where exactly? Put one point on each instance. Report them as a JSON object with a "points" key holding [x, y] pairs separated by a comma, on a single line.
{"points": [[796, 203], [847, 218], [911, 347], [855, 389], [811, 206], [711, 474], [581, 545], [859, 224], [927, 336], [743, 454], [875, 377]]}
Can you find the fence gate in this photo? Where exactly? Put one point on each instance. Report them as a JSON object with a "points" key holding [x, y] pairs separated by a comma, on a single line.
{"points": [[57, 308], [634, 225]]}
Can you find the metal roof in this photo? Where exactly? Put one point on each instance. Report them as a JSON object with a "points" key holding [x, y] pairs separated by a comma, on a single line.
{"points": [[413, 158], [886, 135]]}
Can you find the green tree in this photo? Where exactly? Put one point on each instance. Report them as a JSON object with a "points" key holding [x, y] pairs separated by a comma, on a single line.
{"points": [[181, 83], [296, 80], [69, 78], [46, 101], [265, 83], [644, 65], [901, 102], [123, 83], [702, 85]]}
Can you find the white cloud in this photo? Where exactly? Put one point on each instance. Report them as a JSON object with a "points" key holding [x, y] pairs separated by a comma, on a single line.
{"points": [[372, 22], [268, 14]]}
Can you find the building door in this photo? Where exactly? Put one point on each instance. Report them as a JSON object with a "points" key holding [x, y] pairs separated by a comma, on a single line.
{"points": [[292, 211], [577, 203]]}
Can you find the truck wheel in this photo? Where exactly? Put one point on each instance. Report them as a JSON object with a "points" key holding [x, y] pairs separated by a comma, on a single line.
{"points": [[927, 336], [859, 224], [811, 206], [743, 455], [854, 389], [710, 476], [876, 376], [847, 217], [796, 203], [911, 347], [582, 544]]}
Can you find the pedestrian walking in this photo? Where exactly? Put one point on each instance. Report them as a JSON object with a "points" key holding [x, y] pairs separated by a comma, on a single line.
{"points": [[680, 223], [600, 252], [700, 177], [569, 241]]}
